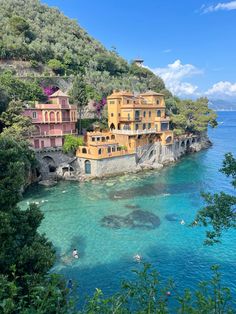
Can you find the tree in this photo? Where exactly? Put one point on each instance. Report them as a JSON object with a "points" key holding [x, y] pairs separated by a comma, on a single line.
{"points": [[79, 96], [219, 213], [190, 116], [57, 66], [72, 143], [26, 256]]}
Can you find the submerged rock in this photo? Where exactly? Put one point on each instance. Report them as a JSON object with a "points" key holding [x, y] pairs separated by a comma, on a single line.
{"points": [[137, 219], [144, 219]]}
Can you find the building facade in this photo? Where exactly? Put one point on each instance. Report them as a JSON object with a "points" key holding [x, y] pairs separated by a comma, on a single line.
{"points": [[52, 121], [135, 122]]}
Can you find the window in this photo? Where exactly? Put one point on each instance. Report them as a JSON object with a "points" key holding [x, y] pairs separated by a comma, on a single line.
{"points": [[144, 126], [158, 113], [144, 114], [127, 101], [150, 114], [111, 102], [113, 148], [158, 101], [112, 114], [118, 114], [113, 137], [99, 151], [93, 139], [136, 127], [164, 126], [149, 125], [34, 115], [128, 116], [84, 151], [109, 149]]}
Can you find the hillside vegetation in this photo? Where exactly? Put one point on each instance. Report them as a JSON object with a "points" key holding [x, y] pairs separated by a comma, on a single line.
{"points": [[44, 42], [31, 31]]}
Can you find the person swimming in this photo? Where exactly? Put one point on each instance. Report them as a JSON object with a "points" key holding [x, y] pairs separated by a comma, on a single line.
{"points": [[137, 258], [182, 222], [75, 253]]}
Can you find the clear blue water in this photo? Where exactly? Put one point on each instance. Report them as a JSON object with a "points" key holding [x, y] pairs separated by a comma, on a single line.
{"points": [[74, 213]]}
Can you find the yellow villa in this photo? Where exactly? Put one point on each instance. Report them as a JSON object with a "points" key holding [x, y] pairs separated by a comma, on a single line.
{"points": [[134, 122]]}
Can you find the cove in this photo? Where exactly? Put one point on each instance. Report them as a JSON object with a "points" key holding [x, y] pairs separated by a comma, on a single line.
{"points": [[74, 213]]}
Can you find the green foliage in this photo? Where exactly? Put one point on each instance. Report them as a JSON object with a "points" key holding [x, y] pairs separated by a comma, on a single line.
{"points": [[112, 64], [26, 256], [18, 25], [147, 294], [16, 89], [72, 143], [79, 96], [219, 213], [190, 116], [57, 66], [36, 32]]}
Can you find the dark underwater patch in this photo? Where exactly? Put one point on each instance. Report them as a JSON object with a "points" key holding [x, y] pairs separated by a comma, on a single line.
{"points": [[137, 219], [172, 217], [132, 206], [153, 189]]}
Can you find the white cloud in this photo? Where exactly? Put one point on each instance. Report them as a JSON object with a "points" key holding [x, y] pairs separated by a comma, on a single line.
{"points": [[174, 76], [167, 51], [222, 89], [221, 6]]}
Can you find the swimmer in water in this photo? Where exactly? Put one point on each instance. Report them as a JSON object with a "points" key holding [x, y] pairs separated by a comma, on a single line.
{"points": [[182, 222], [137, 258], [75, 253]]}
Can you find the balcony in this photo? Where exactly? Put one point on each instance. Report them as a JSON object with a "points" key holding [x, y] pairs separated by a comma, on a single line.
{"points": [[52, 133], [135, 132], [126, 119]]}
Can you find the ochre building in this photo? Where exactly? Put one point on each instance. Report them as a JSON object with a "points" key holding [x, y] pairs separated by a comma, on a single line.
{"points": [[134, 121]]}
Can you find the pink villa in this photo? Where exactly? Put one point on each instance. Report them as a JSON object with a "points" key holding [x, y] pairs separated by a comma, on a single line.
{"points": [[52, 121]]}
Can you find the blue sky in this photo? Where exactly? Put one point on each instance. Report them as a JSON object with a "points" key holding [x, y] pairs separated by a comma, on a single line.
{"points": [[191, 44]]}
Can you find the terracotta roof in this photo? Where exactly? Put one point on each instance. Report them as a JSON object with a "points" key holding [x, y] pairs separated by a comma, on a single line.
{"points": [[151, 93], [58, 93]]}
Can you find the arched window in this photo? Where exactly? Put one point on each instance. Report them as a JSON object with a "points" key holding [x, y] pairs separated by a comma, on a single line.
{"points": [[169, 139], [99, 151], [158, 101], [158, 113], [144, 114], [58, 116], [52, 116], [150, 114], [87, 165], [46, 116], [84, 151]]}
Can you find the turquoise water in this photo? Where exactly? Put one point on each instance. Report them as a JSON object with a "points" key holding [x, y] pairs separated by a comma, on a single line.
{"points": [[74, 218]]}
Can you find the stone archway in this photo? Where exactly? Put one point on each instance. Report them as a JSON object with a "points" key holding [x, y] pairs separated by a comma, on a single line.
{"points": [[49, 164], [112, 126]]}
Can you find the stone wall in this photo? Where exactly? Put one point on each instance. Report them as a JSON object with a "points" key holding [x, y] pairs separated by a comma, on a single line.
{"points": [[109, 166], [56, 165]]}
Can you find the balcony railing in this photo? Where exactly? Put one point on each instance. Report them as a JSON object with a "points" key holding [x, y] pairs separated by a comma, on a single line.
{"points": [[52, 133], [135, 132], [126, 119]]}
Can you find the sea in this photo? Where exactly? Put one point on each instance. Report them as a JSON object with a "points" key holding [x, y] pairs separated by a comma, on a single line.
{"points": [[109, 221]]}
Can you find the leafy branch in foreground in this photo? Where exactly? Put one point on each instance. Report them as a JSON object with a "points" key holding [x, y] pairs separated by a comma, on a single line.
{"points": [[220, 212], [147, 294]]}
